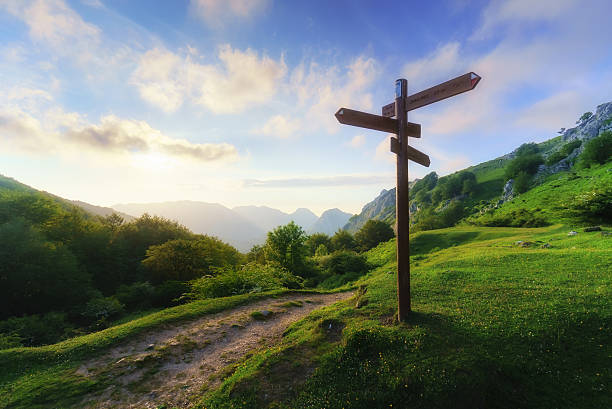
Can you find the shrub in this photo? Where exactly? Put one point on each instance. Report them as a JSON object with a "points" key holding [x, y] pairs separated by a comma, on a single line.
{"points": [[136, 295], [522, 182], [102, 308], [563, 153], [169, 293], [343, 240], [316, 240], [527, 149], [10, 341], [555, 157], [594, 204], [34, 330], [372, 233], [342, 262], [597, 150], [184, 259], [514, 218], [252, 278], [321, 251], [527, 163]]}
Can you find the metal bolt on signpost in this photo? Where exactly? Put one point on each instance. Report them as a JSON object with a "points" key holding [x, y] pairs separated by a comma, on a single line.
{"points": [[403, 129]]}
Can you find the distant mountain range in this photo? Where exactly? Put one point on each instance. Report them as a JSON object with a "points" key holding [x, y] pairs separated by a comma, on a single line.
{"points": [[330, 221], [242, 226]]}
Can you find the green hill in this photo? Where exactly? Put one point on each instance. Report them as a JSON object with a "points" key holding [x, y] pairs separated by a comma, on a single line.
{"points": [[495, 325], [437, 202]]}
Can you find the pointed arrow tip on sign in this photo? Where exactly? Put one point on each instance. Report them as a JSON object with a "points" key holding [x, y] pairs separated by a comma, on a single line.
{"points": [[474, 78], [339, 115]]}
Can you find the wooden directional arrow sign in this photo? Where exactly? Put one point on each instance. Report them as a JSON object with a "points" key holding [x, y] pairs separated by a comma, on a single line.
{"points": [[463, 83], [389, 110], [413, 154], [466, 82], [380, 123]]}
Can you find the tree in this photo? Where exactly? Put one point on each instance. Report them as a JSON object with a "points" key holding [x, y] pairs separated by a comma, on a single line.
{"points": [[428, 182], [133, 239], [37, 276], [528, 163], [257, 255], [585, 117], [321, 251], [184, 260], [285, 247], [522, 182], [372, 233], [597, 150], [527, 149], [315, 240], [343, 240]]}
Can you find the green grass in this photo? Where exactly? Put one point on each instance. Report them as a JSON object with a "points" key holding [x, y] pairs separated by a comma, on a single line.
{"points": [[494, 325], [41, 376], [550, 200]]}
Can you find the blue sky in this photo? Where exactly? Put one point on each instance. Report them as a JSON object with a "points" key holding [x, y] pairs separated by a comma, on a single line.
{"points": [[232, 101]]}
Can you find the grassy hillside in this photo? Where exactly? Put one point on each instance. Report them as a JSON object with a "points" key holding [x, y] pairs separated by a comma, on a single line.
{"points": [[553, 200], [495, 325]]}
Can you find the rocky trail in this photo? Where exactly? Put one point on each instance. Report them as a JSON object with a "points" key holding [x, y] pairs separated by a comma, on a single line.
{"points": [[174, 365]]}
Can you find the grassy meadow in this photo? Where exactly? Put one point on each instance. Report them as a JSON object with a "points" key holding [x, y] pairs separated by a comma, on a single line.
{"points": [[494, 325]]}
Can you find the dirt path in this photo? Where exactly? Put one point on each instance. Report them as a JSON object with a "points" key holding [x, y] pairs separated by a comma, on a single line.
{"points": [[172, 366]]}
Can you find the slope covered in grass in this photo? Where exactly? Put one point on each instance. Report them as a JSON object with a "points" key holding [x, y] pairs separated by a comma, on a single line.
{"points": [[495, 325], [553, 200]]}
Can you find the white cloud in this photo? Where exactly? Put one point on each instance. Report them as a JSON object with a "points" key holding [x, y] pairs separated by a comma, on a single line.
{"points": [[241, 79], [557, 61], [357, 142], [112, 135], [502, 12], [440, 65], [280, 126], [323, 91], [217, 12], [54, 24]]}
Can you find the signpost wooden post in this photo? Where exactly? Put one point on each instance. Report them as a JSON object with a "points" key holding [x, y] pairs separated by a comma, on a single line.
{"points": [[403, 129]]}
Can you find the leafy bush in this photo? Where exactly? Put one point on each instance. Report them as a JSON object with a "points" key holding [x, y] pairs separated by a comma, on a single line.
{"points": [[34, 330], [372, 233], [102, 308], [451, 186], [594, 204], [316, 240], [555, 157], [527, 163], [424, 185], [342, 262], [10, 341], [321, 251], [136, 295], [184, 260], [597, 150], [169, 293], [514, 218], [584, 117], [252, 278], [563, 153], [522, 181], [343, 240]]}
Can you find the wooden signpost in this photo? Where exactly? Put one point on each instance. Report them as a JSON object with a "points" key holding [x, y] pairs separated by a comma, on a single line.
{"points": [[403, 129]]}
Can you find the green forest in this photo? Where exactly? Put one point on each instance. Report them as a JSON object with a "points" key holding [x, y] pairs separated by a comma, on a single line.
{"points": [[66, 272]]}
